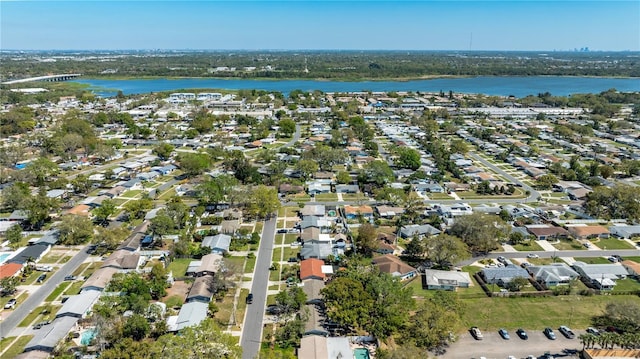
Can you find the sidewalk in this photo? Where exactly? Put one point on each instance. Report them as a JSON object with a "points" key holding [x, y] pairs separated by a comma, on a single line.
{"points": [[546, 246]]}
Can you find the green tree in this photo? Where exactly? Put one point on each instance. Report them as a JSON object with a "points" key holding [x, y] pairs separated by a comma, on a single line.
{"points": [[15, 196], [435, 321], [263, 201], [377, 172], [40, 170], [164, 150], [348, 303], [287, 127], [516, 284], [216, 189], [291, 299], [194, 164], [367, 240], [307, 168], [516, 238], [606, 171], [108, 239], [38, 208], [415, 248], [205, 340], [162, 223], [343, 177], [75, 230], [138, 208], [444, 249], [408, 158], [546, 181], [136, 327], [107, 208], [8, 285], [14, 235], [478, 231]]}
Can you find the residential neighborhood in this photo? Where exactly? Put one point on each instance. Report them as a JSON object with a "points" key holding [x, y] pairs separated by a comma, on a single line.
{"points": [[318, 225]]}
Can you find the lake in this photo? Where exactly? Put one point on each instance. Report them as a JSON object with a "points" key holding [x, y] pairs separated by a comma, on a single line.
{"points": [[501, 86]]}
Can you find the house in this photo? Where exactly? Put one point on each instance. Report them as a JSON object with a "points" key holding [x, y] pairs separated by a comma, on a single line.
{"points": [[632, 267], [578, 193], [316, 249], [47, 338], [393, 265], [585, 232], [312, 269], [99, 279], [32, 253], [290, 189], [352, 212], [79, 305], [115, 191], [320, 347], [553, 274], [625, 231], [210, 264], [314, 326], [446, 280], [310, 234], [347, 188], [79, 210], [428, 188], [18, 216], [313, 210], [418, 230], [547, 232], [503, 275], [165, 170], [602, 276], [230, 226], [191, 314], [57, 193], [201, 290], [123, 260], [10, 270], [389, 211], [133, 184], [147, 176], [312, 288], [318, 222], [314, 188], [454, 210], [219, 243]]}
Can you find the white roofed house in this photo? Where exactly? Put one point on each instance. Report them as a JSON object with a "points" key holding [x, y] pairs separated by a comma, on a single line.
{"points": [[602, 276], [446, 280], [553, 274], [219, 243]]}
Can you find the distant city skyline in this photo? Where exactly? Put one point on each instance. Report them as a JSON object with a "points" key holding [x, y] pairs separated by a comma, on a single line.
{"points": [[321, 25]]}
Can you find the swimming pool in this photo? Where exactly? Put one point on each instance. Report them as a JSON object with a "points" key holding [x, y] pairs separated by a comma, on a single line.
{"points": [[87, 336], [4, 256], [361, 353]]}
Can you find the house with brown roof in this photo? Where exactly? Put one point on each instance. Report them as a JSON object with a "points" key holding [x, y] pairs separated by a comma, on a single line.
{"points": [[352, 212], [310, 234], [632, 267], [123, 260], [585, 232], [312, 269], [290, 189], [209, 265], [393, 265], [10, 270], [79, 210], [546, 232], [201, 290], [99, 279]]}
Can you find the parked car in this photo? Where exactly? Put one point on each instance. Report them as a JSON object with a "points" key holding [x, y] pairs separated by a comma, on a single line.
{"points": [[532, 255], [44, 268], [477, 334], [41, 278], [70, 277], [522, 334], [11, 304], [525, 264], [504, 334], [275, 309], [41, 324], [501, 259], [566, 332], [292, 260], [283, 230], [592, 330], [250, 298], [549, 333], [586, 244], [613, 259]]}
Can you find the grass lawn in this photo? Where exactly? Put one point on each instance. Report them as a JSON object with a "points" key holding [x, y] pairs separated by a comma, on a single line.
{"points": [[354, 197], [17, 346], [626, 284], [51, 258], [173, 301], [290, 252], [258, 227], [56, 292], [326, 197], [568, 245], [274, 275], [437, 196], [168, 194], [528, 246], [635, 259], [91, 268], [179, 266], [290, 238], [537, 313], [132, 193], [280, 222], [74, 288], [80, 269], [271, 299], [592, 260], [250, 265], [277, 254], [612, 243], [241, 307], [540, 261], [225, 309], [47, 311]]}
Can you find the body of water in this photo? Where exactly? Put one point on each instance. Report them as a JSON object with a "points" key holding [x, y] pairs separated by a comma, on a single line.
{"points": [[501, 86]]}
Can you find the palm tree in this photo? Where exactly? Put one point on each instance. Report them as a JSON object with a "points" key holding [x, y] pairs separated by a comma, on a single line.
{"points": [[583, 339]]}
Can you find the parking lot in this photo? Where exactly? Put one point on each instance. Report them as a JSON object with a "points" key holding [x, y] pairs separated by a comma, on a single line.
{"points": [[494, 347]]}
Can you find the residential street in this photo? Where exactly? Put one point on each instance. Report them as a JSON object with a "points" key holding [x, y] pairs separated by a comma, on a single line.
{"points": [[252, 328], [549, 254], [36, 298]]}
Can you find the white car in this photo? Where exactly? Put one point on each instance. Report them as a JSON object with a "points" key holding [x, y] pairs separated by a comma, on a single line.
{"points": [[532, 255]]}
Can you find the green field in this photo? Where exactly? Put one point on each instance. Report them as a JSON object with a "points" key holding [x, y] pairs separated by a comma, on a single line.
{"points": [[568, 245], [627, 284], [528, 246], [179, 266], [537, 313], [592, 260], [612, 243]]}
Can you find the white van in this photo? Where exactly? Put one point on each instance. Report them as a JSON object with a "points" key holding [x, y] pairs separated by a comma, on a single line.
{"points": [[44, 268]]}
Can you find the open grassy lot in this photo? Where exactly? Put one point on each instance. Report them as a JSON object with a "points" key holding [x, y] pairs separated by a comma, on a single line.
{"points": [[568, 245], [592, 260], [537, 313], [613, 243], [225, 310], [16, 348], [290, 238], [250, 265], [326, 197], [290, 252], [132, 193], [179, 266], [528, 246], [626, 284]]}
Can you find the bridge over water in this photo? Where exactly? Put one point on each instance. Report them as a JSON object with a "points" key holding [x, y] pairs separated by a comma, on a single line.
{"points": [[48, 78]]}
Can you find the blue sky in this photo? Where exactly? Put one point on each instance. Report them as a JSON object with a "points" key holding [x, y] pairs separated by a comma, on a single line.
{"points": [[295, 25]]}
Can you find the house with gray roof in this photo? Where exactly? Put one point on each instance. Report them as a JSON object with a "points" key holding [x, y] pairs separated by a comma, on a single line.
{"points": [[79, 305], [201, 290], [219, 243], [553, 274], [47, 338], [313, 210], [316, 249], [625, 231], [503, 275], [602, 276], [418, 230], [318, 222], [347, 188], [446, 280], [191, 314]]}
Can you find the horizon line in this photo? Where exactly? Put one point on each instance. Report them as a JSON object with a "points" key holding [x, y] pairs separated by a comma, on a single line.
{"points": [[580, 50]]}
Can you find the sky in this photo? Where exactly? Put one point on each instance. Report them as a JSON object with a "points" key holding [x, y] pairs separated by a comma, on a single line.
{"points": [[543, 25]]}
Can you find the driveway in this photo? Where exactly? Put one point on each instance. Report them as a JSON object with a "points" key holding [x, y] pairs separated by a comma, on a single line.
{"points": [[252, 328], [493, 346]]}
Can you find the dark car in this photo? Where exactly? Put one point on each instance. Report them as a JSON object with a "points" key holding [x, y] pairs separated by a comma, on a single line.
{"points": [[592, 330], [522, 334], [283, 230], [70, 277], [41, 278], [250, 298], [504, 334], [292, 260], [41, 324], [566, 332], [549, 333]]}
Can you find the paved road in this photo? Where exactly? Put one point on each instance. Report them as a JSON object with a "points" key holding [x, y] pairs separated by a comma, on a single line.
{"points": [[36, 298], [548, 254], [252, 328], [533, 196], [494, 347], [296, 137]]}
